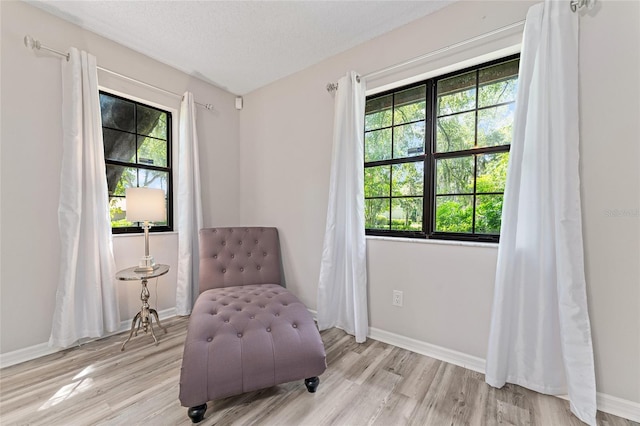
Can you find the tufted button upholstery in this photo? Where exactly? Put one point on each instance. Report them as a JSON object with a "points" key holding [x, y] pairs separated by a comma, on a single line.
{"points": [[222, 263], [260, 334], [245, 348]]}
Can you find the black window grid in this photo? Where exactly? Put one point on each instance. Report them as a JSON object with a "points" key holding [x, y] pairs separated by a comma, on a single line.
{"points": [[142, 166], [431, 156]]}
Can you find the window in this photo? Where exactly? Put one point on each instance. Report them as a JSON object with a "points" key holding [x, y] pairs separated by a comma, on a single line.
{"points": [[137, 151], [436, 154]]}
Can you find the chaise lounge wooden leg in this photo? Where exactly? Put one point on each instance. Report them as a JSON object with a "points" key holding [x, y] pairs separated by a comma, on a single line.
{"points": [[312, 383], [196, 414]]}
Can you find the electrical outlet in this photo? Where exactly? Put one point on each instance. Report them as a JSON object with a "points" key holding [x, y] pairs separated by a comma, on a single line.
{"points": [[397, 298]]}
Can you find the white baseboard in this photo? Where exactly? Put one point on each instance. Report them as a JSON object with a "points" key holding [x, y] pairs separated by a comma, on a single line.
{"points": [[26, 354], [36, 351], [438, 352], [618, 406], [606, 403], [423, 348]]}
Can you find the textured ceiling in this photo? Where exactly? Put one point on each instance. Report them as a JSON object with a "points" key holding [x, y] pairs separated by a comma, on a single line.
{"points": [[239, 45]]}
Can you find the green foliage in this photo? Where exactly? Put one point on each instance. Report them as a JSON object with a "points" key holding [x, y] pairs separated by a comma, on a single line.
{"points": [[403, 225], [376, 181], [488, 214], [408, 140], [454, 175], [377, 145], [408, 179], [456, 94], [407, 214], [492, 172], [118, 215], [460, 182], [376, 213], [455, 132], [122, 223], [454, 214]]}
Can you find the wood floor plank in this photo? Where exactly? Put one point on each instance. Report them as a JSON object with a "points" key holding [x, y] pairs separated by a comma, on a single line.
{"points": [[365, 384], [396, 411], [417, 380], [432, 409]]}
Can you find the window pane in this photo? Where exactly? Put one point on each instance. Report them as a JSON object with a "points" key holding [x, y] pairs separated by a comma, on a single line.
{"points": [[160, 130], [410, 105], [408, 179], [152, 122], [376, 213], [376, 181], [141, 136], [454, 213], [498, 84], [457, 94], [488, 214], [378, 112], [495, 125], [152, 151], [117, 113], [119, 146], [406, 214], [377, 145], [153, 179], [408, 140], [120, 178], [454, 175], [492, 172], [456, 132], [118, 212]]}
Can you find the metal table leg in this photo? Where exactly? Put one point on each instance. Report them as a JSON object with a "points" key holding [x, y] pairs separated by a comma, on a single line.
{"points": [[144, 317]]}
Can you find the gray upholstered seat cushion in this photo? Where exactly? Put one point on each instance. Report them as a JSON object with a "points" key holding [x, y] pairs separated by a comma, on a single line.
{"points": [[246, 338]]}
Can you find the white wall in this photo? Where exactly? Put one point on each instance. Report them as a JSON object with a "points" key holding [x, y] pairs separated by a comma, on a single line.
{"points": [[31, 142], [285, 144], [610, 157]]}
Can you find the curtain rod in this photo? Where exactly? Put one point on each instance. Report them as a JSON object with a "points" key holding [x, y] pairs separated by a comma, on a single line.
{"points": [[32, 44], [334, 86], [575, 5]]}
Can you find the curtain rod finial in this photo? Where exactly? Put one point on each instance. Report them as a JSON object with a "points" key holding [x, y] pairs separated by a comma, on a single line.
{"points": [[579, 4], [31, 43]]}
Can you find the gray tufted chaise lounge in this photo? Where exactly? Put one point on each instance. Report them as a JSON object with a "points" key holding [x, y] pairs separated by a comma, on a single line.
{"points": [[246, 331]]}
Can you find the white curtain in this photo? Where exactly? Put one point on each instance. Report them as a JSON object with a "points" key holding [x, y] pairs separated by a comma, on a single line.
{"points": [[189, 208], [342, 288], [86, 300], [540, 335]]}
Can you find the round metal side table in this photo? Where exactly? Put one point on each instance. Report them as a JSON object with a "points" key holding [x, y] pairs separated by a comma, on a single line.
{"points": [[144, 318]]}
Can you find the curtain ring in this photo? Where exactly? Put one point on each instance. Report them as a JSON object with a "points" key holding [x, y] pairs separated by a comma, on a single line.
{"points": [[576, 5], [573, 4]]}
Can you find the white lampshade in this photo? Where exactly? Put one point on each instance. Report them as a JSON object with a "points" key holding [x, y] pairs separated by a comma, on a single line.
{"points": [[146, 204]]}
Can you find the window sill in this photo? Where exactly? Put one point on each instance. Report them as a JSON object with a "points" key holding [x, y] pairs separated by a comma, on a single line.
{"points": [[141, 234], [433, 241]]}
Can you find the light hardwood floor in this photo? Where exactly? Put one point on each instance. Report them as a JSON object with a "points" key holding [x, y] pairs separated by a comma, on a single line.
{"points": [[366, 384]]}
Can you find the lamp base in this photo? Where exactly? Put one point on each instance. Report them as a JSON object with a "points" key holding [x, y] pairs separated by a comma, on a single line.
{"points": [[146, 264]]}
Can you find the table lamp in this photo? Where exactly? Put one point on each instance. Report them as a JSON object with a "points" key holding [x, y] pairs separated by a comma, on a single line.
{"points": [[146, 205]]}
